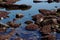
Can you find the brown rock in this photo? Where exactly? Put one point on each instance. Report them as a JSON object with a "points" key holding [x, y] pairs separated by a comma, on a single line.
{"points": [[31, 27]]}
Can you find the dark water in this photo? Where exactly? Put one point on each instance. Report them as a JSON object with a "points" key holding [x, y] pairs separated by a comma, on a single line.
{"points": [[34, 10]]}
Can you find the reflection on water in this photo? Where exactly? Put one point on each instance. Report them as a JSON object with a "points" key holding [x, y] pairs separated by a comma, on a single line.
{"points": [[34, 10]]}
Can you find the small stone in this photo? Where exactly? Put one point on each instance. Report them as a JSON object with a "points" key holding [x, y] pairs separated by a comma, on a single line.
{"points": [[19, 15], [28, 22]]}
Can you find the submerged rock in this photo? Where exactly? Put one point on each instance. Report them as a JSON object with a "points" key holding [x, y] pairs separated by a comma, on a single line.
{"points": [[13, 25], [28, 22], [31, 27]]}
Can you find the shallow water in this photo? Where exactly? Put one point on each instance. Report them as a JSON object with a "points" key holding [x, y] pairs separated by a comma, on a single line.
{"points": [[34, 10]]}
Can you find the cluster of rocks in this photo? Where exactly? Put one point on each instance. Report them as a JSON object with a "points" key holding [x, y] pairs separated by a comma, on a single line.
{"points": [[47, 22], [49, 1]]}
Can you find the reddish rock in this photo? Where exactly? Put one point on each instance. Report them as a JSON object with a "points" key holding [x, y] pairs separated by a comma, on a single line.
{"points": [[13, 25], [31, 27]]}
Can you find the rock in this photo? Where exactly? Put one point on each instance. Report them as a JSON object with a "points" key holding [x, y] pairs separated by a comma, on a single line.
{"points": [[13, 25], [31, 27], [19, 15], [47, 12], [37, 1], [28, 22], [15, 6], [50, 1], [58, 10], [36, 17], [46, 29]]}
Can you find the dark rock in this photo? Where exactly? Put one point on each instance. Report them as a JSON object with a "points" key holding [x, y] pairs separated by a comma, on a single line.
{"points": [[31, 27], [58, 10], [50, 1], [28, 22], [19, 15], [37, 1], [15, 6]]}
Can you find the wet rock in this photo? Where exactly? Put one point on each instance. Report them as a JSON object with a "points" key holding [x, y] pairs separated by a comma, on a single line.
{"points": [[47, 12], [31, 27], [3, 14], [28, 22], [19, 15], [13, 25]]}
